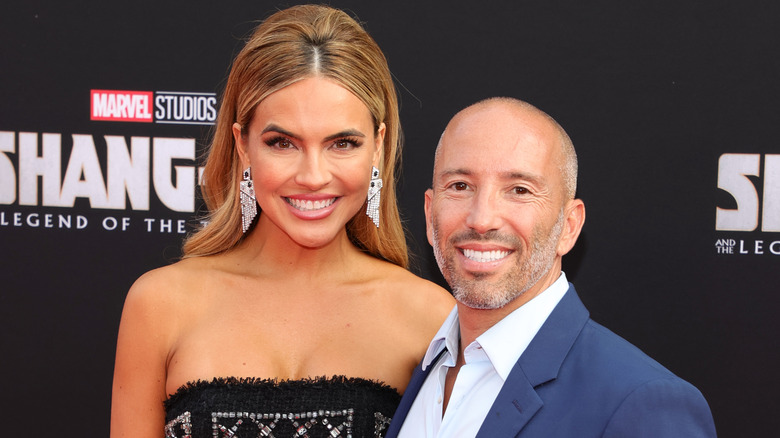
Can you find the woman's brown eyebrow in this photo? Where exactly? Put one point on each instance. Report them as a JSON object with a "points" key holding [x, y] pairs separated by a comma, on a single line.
{"points": [[346, 133], [279, 129]]}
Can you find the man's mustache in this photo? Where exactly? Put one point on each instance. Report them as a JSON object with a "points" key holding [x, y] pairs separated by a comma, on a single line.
{"points": [[490, 236]]}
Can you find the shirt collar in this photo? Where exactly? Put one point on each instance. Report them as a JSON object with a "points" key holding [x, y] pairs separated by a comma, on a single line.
{"points": [[523, 324], [521, 327], [447, 336]]}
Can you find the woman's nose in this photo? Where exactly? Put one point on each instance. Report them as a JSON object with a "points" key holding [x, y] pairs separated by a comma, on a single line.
{"points": [[313, 171]]}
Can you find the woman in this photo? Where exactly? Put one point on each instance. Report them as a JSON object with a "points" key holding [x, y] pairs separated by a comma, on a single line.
{"points": [[302, 319]]}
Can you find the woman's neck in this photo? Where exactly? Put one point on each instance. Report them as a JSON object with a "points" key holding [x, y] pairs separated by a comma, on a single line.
{"points": [[267, 250]]}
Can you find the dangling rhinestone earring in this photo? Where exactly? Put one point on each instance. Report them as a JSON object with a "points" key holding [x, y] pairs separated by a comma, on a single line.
{"points": [[374, 193], [248, 200]]}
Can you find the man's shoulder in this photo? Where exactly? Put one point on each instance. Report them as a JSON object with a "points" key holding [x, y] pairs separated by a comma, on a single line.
{"points": [[618, 363], [589, 379], [583, 345], [638, 385], [605, 348], [607, 382]]}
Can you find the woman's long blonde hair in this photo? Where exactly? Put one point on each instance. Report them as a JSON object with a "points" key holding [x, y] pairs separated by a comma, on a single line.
{"points": [[291, 45]]}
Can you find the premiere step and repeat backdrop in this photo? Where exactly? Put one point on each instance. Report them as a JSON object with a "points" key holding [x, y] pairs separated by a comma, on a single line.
{"points": [[106, 109]]}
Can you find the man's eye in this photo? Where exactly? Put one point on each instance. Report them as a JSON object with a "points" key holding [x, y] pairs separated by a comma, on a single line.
{"points": [[520, 190], [460, 186]]}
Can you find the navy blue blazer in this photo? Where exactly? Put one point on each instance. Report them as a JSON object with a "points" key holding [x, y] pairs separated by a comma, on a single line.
{"points": [[578, 379]]}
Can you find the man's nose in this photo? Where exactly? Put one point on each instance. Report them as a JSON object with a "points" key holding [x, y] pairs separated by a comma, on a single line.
{"points": [[484, 214]]}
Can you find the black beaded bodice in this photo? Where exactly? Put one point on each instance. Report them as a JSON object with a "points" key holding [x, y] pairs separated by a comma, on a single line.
{"points": [[321, 407]]}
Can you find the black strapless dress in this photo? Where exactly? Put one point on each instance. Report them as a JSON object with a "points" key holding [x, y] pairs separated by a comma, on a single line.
{"points": [[321, 407]]}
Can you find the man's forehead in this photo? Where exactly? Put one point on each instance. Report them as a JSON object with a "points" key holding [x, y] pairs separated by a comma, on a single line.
{"points": [[500, 113], [500, 124], [506, 152], [505, 139], [503, 153], [507, 173]]}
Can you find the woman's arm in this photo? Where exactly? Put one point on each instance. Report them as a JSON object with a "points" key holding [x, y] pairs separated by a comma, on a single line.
{"points": [[140, 368]]}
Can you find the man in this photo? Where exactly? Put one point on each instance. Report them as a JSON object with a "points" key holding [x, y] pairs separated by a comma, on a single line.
{"points": [[519, 355]]}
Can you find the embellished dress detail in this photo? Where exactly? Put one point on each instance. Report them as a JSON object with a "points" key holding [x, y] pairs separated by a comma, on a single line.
{"points": [[314, 408]]}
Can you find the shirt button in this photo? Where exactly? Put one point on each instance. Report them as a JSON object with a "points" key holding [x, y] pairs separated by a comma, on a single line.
{"points": [[439, 400]]}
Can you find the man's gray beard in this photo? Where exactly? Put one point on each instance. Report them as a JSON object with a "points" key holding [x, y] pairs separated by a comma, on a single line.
{"points": [[482, 295]]}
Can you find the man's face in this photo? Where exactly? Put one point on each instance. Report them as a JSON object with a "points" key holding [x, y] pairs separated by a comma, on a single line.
{"points": [[495, 212]]}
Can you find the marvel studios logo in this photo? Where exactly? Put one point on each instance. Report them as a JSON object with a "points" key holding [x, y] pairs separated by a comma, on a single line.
{"points": [[171, 107]]}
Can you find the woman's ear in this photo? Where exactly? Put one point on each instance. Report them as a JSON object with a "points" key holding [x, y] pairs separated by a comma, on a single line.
{"points": [[379, 142], [241, 145]]}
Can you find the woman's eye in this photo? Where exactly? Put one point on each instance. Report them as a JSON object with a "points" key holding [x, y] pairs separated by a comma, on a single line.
{"points": [[280, 143], [344, 144]]}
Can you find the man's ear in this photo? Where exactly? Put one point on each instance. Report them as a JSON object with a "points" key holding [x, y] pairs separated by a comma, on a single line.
{"points": [[428, 213], [241, 145], [573, 219]]}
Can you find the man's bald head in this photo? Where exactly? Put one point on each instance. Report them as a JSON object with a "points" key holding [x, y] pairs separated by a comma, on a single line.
{"points": [[525, 113]]}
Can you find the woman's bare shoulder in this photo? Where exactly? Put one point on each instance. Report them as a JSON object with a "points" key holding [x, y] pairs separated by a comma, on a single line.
{"points": [[167, 286], [412, 310], [416, 296], [153, 319]]}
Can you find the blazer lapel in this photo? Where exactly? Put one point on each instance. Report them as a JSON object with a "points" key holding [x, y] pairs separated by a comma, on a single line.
{"points": [[418, 378], [515, 405], [518, 402]]}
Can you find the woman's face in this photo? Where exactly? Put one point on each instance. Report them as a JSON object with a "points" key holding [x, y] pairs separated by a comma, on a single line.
{"points": [[311, 146]]}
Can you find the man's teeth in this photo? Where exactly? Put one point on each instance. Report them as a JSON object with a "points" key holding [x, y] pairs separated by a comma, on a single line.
{"points": [[304, 205], [484, 256]]}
